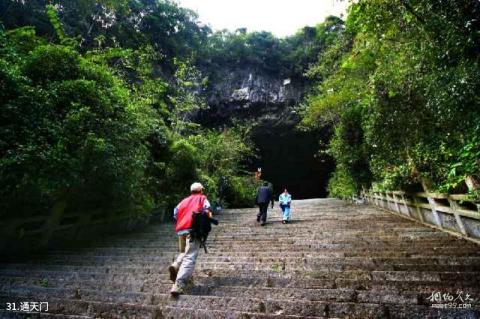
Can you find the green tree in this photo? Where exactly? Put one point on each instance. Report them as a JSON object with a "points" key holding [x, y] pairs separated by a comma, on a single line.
{"points": [[407, 76], [69, 132]]}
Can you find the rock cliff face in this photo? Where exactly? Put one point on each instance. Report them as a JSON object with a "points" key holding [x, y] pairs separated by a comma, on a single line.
{"points": [[246, 92], [288, 157]]}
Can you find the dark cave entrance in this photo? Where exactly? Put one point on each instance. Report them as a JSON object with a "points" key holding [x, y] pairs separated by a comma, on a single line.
{"points": [[290, 159]]}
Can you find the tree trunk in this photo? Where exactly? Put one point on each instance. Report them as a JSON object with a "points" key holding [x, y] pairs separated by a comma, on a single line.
{"points": [[472, 183]]}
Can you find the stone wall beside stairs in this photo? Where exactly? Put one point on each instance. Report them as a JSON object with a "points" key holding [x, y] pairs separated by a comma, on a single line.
{"points": [[20, 237]]}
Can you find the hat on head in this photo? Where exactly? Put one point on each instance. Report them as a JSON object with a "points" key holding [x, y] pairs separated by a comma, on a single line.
{"points": [[196, 187]]}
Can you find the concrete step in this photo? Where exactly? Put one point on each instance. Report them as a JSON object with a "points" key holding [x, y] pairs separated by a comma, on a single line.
{"points": [[117, 254], [161, 283], [110, 294], [334, 260], [177, 312], [257, 307], [317, 271], [22, 315], [290, 263]]}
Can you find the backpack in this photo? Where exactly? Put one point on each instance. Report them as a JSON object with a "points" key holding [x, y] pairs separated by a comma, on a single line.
{"points": [[201, 227]]}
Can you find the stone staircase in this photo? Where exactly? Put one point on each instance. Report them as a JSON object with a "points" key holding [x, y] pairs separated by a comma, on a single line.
{"points": [[334, 260]]}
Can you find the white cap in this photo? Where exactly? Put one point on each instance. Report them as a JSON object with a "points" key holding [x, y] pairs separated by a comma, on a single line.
{"points": [[196, 187]]}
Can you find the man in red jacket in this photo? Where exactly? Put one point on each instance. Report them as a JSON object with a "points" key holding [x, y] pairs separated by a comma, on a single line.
{"points": [[182, 268]]}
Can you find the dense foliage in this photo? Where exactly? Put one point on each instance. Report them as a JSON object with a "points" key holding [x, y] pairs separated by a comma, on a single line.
{"points": [[172, 31], [98, 101], [401, 89], [69, 130], [287, 57], [94, 128]]}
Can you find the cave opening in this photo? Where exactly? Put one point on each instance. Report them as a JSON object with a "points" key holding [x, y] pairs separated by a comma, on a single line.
{"points": [[290, 159]]}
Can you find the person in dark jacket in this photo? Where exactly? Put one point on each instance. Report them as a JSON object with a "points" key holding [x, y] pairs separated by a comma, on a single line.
{"points": [[264, 197]]}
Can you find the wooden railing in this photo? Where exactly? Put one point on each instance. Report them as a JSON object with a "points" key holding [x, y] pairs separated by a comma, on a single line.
{"points": [[456, 214]]}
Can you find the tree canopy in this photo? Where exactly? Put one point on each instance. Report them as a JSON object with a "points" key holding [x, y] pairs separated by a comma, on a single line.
{"points": [[100, 119], [98, 100], [401, 89]]}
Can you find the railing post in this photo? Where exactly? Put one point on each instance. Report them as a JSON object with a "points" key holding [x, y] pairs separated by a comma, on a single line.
{"points": [[404, 201], [385, 200], [454, 208], [431, 201], [417, 207], [396, 203]]}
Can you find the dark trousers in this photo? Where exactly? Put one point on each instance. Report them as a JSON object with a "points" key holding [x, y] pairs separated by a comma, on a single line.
{"points": [[262, 214]]}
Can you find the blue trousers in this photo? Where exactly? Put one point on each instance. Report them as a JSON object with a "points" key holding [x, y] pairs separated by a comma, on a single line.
{"points": [[286, 211]]}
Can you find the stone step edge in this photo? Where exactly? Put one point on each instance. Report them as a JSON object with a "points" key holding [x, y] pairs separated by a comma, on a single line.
{"points": [[167, 296], [128, 305], [241, 314]]}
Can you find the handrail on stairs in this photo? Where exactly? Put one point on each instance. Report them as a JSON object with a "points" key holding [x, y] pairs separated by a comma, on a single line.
{"points": [[458, 214]]}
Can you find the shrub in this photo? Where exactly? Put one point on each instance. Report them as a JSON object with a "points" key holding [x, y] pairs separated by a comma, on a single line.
{"points": [[69, 134]]}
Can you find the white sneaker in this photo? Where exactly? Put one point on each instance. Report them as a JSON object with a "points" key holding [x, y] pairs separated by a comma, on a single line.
{"points": [[176, 290]]}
